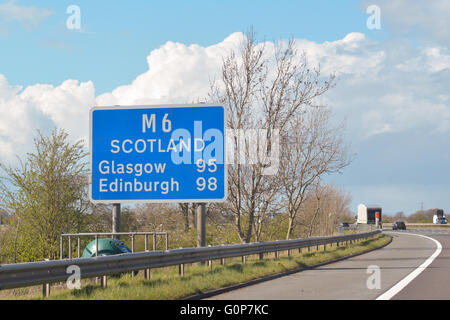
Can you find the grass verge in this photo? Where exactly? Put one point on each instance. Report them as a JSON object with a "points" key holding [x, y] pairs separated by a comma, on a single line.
{"points": [[165, 283]]}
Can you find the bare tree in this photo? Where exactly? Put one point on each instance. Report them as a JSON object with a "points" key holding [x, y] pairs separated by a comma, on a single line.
{"points": [[311, 149], [263, 86], [322, 209], [399, 215]]}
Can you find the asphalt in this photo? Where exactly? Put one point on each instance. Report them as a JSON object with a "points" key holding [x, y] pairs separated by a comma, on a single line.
{"points": [[434, 282], [347, 279]]}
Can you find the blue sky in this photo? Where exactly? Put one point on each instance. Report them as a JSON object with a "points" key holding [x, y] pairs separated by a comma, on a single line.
{"points": [[116, 36], [392, 90]]}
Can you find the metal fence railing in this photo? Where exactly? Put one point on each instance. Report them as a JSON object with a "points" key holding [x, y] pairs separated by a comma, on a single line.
{"points": [[97, 236], [45, 272]]}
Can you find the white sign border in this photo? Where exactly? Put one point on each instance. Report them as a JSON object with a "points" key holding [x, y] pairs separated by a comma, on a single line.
{"points": [[121, 107]]}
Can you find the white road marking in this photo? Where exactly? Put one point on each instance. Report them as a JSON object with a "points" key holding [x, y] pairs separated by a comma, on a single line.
{"points": [[410, 277]]}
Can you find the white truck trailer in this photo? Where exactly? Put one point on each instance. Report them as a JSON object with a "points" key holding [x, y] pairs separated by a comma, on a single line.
{"points": [[369, 214], [439, 217]]}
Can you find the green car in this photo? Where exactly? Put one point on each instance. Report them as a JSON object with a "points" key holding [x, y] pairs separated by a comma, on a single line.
{"points": [[106, 247]]}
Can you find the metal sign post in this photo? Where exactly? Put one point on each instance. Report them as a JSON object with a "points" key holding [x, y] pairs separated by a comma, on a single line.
{"points": [[201, 225], [116, 219]]}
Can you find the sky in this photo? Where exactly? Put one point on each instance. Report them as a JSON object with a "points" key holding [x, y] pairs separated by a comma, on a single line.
{"points": [[392, 89]]}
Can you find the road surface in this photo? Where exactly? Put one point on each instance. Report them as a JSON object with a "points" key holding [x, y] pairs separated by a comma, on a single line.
{"points": [[348, 279]]}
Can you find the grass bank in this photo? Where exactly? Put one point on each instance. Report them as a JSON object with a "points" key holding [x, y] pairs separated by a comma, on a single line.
{"points": [[165, 283]]}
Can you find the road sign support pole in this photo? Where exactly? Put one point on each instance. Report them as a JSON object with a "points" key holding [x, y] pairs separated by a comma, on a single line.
{"points": [[201, 226], [116, 219]]}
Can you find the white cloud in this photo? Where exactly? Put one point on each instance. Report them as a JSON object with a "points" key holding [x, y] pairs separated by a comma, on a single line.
{"points": [[382, 87], [41, 107], [354, 54], [30, 17], [66, 105], [177, 74]]}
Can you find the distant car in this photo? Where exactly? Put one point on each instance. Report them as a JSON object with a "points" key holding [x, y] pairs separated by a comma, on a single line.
{"points": [[398, 225], [345, 225], [441, 221]]}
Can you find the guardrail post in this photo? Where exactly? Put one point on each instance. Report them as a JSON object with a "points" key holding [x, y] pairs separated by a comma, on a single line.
{"points": [[261, 256], [146, 243], [243, 259], [276, 254], [181, 270], [147, 274], [289, 252], [46, 290], [222, 261], [104, 281], [299, 250], [325, 247], [154, 241]]}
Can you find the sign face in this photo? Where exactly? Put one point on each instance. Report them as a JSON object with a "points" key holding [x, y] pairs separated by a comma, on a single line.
{"points": [[170, 153]]}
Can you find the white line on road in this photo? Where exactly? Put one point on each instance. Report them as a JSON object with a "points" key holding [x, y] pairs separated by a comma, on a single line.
{"points": [[410, 277]]}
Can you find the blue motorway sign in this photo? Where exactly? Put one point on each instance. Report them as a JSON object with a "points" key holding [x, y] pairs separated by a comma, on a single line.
{"points": [[157, 154]]}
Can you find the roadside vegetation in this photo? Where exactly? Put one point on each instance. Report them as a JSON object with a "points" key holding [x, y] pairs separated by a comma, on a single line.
{"points": [[420, 216]]}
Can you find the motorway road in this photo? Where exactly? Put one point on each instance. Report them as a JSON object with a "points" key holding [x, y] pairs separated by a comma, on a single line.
{"points": [[434, 281], [347, 279]]}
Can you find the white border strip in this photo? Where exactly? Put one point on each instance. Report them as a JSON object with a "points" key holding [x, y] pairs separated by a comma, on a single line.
{"points": [[410, 277]]}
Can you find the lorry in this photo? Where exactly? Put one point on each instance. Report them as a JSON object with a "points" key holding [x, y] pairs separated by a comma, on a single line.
{"points": [[439, 217], [369, 214]]}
